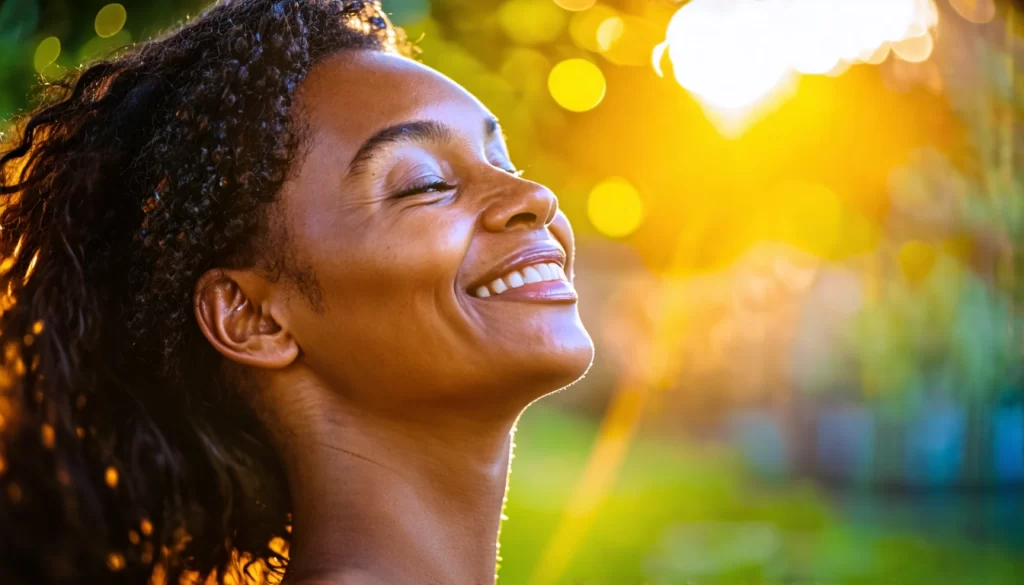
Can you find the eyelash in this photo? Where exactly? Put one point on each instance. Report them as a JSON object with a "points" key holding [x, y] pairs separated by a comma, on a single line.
{"points": [[442, 186], [432, 187]]}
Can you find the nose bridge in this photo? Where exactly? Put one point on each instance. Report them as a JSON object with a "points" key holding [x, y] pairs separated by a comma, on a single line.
{"points": [[516, 202]]}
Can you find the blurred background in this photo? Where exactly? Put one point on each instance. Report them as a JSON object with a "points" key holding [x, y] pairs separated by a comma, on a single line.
{"points": [[797, 224]]}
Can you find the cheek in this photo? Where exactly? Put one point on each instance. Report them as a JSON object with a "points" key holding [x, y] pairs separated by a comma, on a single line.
{"points": [[391, 305], [398, 262]]}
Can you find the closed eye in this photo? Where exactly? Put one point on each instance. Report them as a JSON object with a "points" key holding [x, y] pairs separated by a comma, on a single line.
{"points": [[431, 187]]}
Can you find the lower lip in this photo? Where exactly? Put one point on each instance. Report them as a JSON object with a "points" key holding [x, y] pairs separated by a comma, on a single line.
{"points": [[548, 291]]}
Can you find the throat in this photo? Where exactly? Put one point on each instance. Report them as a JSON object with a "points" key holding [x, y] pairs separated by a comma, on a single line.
{"points": [[396, 503]]}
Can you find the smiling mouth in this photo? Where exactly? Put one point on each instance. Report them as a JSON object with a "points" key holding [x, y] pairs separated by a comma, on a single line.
{"points": [[540, 281]]}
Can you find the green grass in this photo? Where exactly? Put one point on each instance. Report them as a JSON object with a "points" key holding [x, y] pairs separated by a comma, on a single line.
{"points": [[685, 514]]}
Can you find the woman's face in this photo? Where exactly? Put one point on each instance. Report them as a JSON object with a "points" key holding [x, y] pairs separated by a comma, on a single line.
{"points": [[426, 244]]}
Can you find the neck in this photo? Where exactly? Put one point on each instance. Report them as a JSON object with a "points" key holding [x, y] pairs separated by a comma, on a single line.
{"points": [[382, 500]]}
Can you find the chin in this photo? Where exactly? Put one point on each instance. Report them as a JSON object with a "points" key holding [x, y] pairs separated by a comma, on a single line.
{"points": [[555, 363], [576, 359]]}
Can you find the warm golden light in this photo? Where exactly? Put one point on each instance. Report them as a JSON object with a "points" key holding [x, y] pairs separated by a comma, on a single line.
{"points": [[48, 436], [733, 53], [727, 51], [111, 477], [115, 561], [31, 267], [914, 49], [627, 40], [279, 546], [876, 57], [615, 208], [576, 84], [110, 20], [807, 215], [610, 31]]}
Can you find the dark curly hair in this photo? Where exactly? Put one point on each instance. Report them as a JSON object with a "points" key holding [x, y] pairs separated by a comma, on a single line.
{"points": [[127, 454]]}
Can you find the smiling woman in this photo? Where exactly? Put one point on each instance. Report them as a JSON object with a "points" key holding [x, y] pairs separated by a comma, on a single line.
{"points": [[272, 290]]}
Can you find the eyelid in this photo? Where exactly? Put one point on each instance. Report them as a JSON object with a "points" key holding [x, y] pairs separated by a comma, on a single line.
{"points": [[436, 184]]}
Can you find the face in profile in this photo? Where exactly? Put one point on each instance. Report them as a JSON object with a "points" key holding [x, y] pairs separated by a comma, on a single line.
{"points": [[446, 278]]}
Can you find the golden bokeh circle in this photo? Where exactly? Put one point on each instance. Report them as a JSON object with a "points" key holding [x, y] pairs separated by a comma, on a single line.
{"points": [[577, 84], [615, 208]]}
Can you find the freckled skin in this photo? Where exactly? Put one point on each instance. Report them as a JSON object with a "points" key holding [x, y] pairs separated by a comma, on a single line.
{"points": [[392, 403]]}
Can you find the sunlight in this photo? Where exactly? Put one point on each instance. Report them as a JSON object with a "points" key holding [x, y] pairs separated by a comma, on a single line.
{"points": [[727, 51], [602, 470], [732, 54]]}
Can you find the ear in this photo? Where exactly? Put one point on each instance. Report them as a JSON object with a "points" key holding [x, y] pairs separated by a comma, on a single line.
{"points": [[239, 322]]}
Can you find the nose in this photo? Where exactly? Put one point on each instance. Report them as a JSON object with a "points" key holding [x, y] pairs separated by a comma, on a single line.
{"points": [[520, 204]]}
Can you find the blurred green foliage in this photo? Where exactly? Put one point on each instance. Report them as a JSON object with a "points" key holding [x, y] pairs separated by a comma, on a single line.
{"points": [[25, 23], [683, 513]]}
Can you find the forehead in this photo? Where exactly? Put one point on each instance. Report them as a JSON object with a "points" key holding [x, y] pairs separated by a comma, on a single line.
{"points": [[349, 96]]}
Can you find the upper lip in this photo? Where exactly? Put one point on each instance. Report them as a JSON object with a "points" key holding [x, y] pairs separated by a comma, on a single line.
{"points": [[537, 253]]}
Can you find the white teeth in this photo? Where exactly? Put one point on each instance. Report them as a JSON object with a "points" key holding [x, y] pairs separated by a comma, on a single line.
{"points": [[540, 272], [514, 279], [531, 275]]}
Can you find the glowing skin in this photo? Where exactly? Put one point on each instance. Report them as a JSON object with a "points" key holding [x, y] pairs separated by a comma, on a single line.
{"points": [[392, 404]]}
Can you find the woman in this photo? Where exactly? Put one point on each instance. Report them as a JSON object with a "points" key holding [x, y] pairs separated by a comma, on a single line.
{"points": [[267, 280]]}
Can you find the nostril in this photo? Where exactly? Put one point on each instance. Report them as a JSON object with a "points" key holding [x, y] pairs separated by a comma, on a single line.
{"points": [[525, 218]]}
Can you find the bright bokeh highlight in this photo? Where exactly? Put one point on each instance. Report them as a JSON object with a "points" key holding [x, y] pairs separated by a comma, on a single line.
{"points": [[732, 53], [46, 53], [110, 20], [627, 40], [727, 51], [615, 208], [610, 31], [584, 25], [577, 84], [914, 49]]}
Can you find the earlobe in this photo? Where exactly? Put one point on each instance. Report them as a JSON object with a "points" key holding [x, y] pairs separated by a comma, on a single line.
{"points": [[243, 329]]}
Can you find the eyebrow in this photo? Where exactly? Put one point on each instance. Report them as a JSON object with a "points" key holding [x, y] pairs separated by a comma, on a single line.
{"points": [[406, 132]]}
